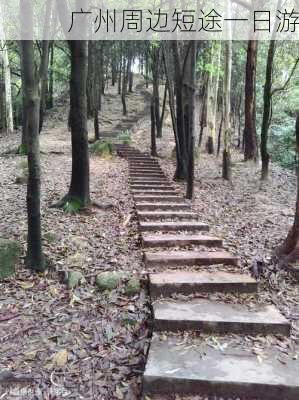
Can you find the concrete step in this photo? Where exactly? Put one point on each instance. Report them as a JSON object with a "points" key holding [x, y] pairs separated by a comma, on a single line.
{"points": [[146, 186], [179, 240], [155, 215], [162, 206], [151, 175], [149, 180], [173, 226], [155, 192], [154, 169], [150, 163], [195, 368], [189, 258], [215, 317], [180, 282], [158, 198]]}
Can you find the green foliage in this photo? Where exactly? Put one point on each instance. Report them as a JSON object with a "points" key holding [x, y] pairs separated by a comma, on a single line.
{"points": [[108, 280], [282, 147], [50, 237], [72, 206], [22, 150], [125, 137], [102, 148], [10, 251]]}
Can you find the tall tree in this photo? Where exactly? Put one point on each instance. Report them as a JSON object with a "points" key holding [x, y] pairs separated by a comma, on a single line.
{"points": [[289, 250], [31, 78], [250, 136], [226, 163], [212, 96]]}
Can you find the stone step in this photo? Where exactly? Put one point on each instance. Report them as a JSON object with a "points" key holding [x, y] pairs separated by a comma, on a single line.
{"points": [[145, 186], [155, 192], [154, 215], [149, 183], [179, 282], [173, 226], [148, 179], [146, 175], [145, 171], [139, 158], [195, 368], [180, 240], [189, 258], [151, 163], [215, 317], [162, 206], [159, 198]]}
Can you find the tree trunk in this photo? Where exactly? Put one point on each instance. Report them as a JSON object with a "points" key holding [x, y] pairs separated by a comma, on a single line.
{"points": [[289, 250], [35, 258], [213, 97], [203, 116], [189, 115], [124, 85], [50, 92], [153, 131], [226, 166], [250, 137], [7, 88], [267, 112], [44, 81], [79, 187]]}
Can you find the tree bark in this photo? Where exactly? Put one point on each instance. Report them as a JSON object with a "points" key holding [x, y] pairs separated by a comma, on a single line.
{"points": [[35, 258], [250, 136], [288, 252], [50, 92], [153, 131], [213, 97], [267, 112], [79, 187], [7, 88], [226, 163]]}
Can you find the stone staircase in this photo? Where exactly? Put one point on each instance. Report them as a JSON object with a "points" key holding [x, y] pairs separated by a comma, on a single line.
{"points": [[172, 236]]}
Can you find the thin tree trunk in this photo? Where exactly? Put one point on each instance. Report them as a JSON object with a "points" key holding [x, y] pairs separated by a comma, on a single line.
{"points": [[267, 112], [124, 85], [7, 89], [79, 187], [226, 164], [212, 97], [219, 135], [250, 136], [153, 131], [289, 250], [35, 258], [50, 92], [189, 117], [44, 81]]}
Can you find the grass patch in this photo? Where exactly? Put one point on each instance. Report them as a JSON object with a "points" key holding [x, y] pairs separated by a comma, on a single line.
{"points": [[102, 148], [22, 150], [125, 137], [72, 206]]}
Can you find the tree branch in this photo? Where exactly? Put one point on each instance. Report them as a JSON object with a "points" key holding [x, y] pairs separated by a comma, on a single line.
{"points": [[283, 87]]}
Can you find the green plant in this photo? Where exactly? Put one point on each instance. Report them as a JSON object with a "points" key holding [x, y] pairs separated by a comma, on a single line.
{"points": [[22, 150], [102, 148], [125, 137], [282, 146], [72, 206]]}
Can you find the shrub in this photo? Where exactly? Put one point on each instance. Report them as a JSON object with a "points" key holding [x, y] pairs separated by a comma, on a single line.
{"points": [[125, 137], [72, 206], [102, 148]]}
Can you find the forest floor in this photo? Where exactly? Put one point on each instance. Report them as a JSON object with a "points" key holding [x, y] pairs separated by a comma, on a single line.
{"points": [[83, 342]]}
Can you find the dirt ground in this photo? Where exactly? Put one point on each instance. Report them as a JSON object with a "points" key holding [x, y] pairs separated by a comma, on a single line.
{"points": [[101, 339]]}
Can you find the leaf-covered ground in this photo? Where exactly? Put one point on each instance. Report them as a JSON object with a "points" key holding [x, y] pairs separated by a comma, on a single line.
{"points": [[80, 343], [85, 344]]}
